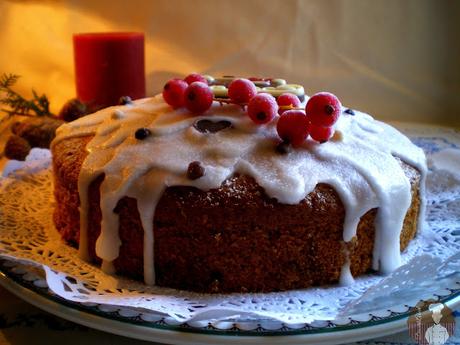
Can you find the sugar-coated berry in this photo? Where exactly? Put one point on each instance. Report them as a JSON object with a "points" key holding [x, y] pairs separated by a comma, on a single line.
{"points": [[191, 78], [198, 97], [241, 90], [323, 109], [142, 133], [173, 92], [293, 127], [320, 133], [262, 108], [287, 100]]}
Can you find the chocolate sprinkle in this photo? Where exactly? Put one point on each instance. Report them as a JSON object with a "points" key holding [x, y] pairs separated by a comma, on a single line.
{"points": [[283, 148], [125, 100], [208, 126], [142, 133], [349, 111], [195, 170]]}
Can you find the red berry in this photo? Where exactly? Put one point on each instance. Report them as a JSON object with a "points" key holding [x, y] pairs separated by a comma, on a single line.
{"points": [[173, 92], [293, 127], [195, 77], [323, 109], [198, 97], [287, 100], [321, 134], [262, 108], [241, 90]]}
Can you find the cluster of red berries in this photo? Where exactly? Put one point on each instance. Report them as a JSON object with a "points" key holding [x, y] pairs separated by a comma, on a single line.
{"points": [[320, 114], [294, 125], [193, 92]]}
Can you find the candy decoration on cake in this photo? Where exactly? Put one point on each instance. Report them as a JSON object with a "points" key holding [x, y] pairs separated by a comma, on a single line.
{"points": [[262, 103]]}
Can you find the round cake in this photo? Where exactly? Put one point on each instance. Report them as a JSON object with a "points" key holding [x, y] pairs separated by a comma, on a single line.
{"points": [[210, 204]]}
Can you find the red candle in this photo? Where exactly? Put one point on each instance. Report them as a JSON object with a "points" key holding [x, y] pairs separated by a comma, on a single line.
{"points": [[109, 66]]}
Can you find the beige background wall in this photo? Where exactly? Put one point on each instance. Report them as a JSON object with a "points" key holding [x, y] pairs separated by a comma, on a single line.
{"points": [[398, 60]]}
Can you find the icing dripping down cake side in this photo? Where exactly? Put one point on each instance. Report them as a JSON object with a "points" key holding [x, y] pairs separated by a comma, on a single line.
{"points": [[255, 220]]}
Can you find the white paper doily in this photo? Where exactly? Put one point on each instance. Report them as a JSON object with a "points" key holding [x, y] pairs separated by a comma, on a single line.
{"points": [[431, 260]]}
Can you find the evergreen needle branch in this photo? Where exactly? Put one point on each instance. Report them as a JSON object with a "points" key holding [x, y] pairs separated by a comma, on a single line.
{"points": [[18, 105]]}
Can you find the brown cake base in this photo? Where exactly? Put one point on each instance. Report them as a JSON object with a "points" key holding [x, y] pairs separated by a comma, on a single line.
{"points": [[231, 239]]}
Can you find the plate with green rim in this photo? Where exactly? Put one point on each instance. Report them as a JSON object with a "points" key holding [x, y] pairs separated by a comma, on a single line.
{"points": [[30, 285]]}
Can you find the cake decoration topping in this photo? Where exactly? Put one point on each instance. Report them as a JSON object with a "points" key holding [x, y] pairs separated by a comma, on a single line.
{"points": [[198, 97], [337, 136], [124, 100], [208, 126], [262, 108], [241, 90], [195, 77], [283, 147], [320, 133], [293, 127], [262, 104], [287, 101], [323, 109], [349, 111], [142, 133], [195, 170], [173, 92], [118, 114]]}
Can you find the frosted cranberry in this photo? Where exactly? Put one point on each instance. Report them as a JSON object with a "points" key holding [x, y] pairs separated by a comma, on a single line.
{"points": [[198, 97], [320, 133], [262, 108], [287, 100], [323, 109], [293, 127], [191, 78], [241, 90], [173, 92]]}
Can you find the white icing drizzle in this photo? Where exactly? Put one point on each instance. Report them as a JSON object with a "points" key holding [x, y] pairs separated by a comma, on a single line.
{"points": [[359, 165]]}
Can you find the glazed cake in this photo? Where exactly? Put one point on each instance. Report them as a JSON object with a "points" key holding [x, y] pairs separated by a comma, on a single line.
{"points": [[207, 203]]}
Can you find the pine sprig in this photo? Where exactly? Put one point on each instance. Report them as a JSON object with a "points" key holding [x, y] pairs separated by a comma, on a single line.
{"points": [[18, 105]]}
